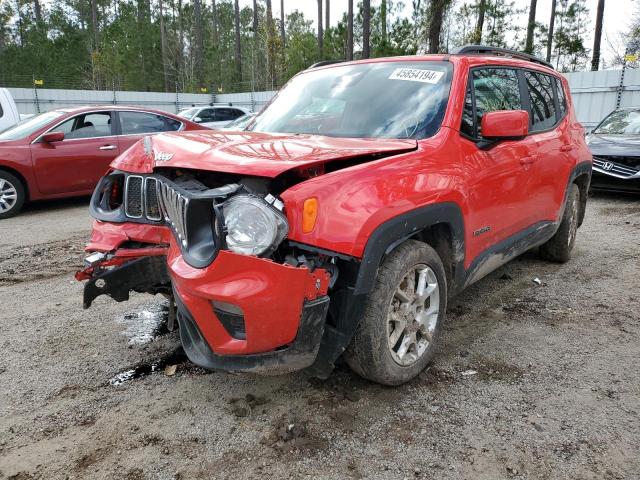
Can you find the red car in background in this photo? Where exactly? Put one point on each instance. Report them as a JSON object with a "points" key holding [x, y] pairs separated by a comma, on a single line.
{"points": [[64, 152]]}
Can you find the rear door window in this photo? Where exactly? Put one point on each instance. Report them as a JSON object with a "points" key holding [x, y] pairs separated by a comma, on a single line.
{"points": [[137, 123], [493, 89], [543, 111]]}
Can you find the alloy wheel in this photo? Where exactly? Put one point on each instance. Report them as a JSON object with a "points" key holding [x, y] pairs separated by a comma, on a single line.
{"points": [[8, 195], [413, 315]]}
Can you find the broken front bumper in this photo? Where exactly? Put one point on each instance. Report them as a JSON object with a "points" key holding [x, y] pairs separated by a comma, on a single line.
{"points": [[145, 275], [114, 269], [248, 313]]}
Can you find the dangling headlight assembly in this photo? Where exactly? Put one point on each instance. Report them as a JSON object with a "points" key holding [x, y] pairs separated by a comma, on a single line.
{"points": [[253, 226]]}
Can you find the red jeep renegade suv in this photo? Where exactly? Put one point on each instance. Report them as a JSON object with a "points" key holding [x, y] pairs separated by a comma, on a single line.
{"points": [[357, 202]]}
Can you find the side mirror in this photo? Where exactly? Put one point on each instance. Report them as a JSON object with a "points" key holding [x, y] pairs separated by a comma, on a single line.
{"points": [[52, 137], [197, 119], [505, 125]]}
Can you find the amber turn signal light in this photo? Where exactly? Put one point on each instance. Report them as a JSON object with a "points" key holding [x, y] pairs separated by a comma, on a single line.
{"points": [[309, 214]]}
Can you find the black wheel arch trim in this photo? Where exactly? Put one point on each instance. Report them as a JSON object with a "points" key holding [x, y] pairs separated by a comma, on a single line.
{"points": [[394, 231]]}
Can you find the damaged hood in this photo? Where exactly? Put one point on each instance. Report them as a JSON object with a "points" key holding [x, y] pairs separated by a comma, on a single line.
{"points": [[250, 153]]}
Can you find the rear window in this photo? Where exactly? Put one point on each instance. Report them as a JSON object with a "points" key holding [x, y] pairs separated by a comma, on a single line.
{"points": [[134, 123]]}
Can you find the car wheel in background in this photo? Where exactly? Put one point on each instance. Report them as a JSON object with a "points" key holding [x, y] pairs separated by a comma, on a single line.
{"points": [[12, 195]]}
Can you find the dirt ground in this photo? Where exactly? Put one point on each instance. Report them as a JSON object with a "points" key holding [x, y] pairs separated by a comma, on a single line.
{"points": [[556, 393]]}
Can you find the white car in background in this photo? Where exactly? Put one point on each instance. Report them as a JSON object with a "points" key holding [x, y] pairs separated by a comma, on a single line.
{"points": [[213, 116], [9, 115]]}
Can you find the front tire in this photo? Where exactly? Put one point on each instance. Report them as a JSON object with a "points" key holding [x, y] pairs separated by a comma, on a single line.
{"points": [[403, 316], [558, 248], [12, 195]]}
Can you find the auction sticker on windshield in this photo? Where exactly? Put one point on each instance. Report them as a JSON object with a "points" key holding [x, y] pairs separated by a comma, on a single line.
{"points": [[416, 75]]}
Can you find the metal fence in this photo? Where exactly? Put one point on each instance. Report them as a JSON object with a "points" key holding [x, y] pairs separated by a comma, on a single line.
{"points": [[595, 94], [36, 100]]}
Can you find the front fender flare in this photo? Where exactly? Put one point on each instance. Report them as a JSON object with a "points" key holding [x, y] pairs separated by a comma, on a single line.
{"points": [[392, 232]]}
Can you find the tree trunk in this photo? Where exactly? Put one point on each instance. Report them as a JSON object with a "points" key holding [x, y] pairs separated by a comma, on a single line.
{"points": [[271, 49], [199, 53], [163, 47], [320, 32], [180, 56], [383, 20], [552, 21], [238, 47], [366, 27], [94, 23], [437, 10], [531, 25], [255, 19], [214, 24], [38, 10], [595, 61], [482, 6], [327, 16], [283, 34], [350, 30]]}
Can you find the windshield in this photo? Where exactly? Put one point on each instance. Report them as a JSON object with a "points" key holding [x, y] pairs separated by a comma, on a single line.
{"points": [[29, 126], [622, 122], [369, 100], [188, 114]]}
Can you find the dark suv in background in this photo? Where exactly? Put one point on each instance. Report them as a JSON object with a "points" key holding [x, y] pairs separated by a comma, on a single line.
{"points": [[615, 144]]}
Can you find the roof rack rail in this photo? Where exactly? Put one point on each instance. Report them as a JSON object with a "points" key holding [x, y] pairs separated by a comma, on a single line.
{"points": [[323, 63], [501, 52]]}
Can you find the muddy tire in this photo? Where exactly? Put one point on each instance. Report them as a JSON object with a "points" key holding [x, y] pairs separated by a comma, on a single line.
{"points": [[12, 195], [403, 317], [558, 248]]}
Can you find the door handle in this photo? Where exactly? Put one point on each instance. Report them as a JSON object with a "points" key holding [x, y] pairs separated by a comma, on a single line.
{"points": [[566, 148], [528, 160], [108, 147]]}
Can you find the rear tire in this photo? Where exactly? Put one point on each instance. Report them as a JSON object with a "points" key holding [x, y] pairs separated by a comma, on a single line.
{"points": [[403, 316], [12, 195], [558, 248]]}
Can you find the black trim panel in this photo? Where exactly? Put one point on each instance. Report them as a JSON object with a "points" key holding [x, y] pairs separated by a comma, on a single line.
{"points": [[402, 227], [145, 275]]}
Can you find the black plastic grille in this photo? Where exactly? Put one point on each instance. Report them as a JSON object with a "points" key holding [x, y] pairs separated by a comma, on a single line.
{"points": [[233, 323], [133, 196], [152, 207], [174, 209]]}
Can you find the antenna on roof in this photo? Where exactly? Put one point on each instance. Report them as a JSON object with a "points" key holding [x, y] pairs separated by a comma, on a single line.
{"points": [[324, 62]]}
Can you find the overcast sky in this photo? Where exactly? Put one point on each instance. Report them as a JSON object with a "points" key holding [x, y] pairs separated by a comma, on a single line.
{"points": [[617, 14]]}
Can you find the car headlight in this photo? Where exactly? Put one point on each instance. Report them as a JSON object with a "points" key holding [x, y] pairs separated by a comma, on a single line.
{"points": [[253, 226]]}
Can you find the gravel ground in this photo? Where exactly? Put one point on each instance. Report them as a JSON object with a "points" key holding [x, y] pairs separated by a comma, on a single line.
{"points": [[107, 393]]}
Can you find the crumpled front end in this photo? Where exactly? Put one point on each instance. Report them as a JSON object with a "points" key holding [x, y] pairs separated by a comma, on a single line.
{"points": [[129, 241]]}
